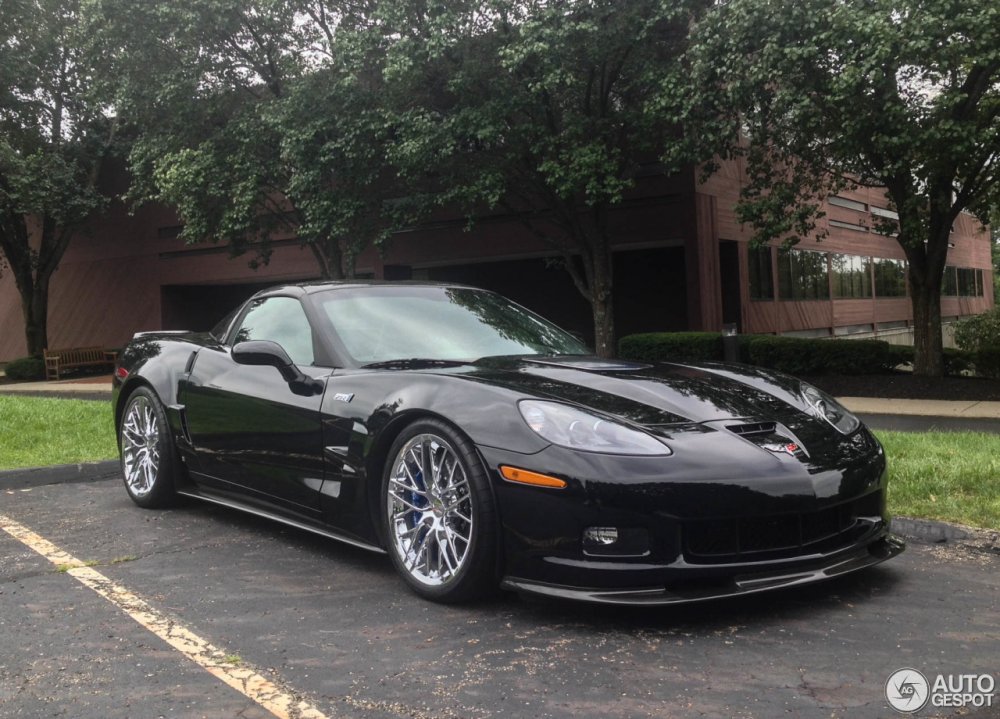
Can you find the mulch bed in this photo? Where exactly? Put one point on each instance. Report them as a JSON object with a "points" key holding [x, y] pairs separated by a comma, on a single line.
{"points": [[903, 385]]}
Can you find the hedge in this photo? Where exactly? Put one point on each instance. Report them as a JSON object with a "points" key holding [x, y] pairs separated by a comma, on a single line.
{"points": [[987, 361], [26, 368], [794, 355]]}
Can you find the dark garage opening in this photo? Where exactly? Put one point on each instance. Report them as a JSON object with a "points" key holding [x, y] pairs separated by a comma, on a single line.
{"points": [[199, 307], [650, 290]]}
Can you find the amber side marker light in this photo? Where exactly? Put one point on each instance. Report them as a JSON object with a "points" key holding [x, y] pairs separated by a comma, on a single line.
{"points": [[523, 476]]}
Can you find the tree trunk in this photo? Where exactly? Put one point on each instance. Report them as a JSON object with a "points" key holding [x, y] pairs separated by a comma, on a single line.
{"points": [[929, 354], [329, 258], [35, 305], [603, 305]]}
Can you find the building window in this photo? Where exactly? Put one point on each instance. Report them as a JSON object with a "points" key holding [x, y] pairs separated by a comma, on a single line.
{"points": [[966, 282], [852, 276], [890, 278], [979, 283], [949, 283], [849, 204], [848, 226], [803, 275], [761, 275], [884, 212]]}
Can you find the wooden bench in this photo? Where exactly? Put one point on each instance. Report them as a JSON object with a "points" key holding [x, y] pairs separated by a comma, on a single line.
{"points": [[58, 360]]}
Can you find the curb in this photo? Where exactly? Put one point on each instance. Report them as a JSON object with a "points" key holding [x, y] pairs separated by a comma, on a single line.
{"points": [[29, 477], [932, 531], [927, 531]]}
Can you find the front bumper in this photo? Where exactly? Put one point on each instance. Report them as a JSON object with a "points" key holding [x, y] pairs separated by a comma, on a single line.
{"points": [[884, 547], [702, 526]]}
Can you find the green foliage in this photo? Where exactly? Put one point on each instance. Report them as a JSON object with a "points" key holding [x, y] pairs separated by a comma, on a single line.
{"points": [[342, 123], [894, 94], [248, 123], [983, 330], [54, 431], [25, 368], [799, 356], [54, 132], [545, 110], [979, 336], [986, 360]]}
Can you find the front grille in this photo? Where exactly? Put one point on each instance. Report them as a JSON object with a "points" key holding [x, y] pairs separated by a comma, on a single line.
{"points": [[733, 539]]}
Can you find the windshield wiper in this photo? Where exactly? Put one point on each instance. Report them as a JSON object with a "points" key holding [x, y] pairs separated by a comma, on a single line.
{"points": [[414, 363]]}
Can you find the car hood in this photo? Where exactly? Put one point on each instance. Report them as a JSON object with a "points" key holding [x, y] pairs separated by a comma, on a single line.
{"points": [[650, 395]]}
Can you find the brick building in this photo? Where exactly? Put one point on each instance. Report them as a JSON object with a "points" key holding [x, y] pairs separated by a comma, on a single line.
{"points": [[682, 261]]}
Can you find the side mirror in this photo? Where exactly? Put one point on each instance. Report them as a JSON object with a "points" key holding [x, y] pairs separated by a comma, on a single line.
{"points": [[271, 354]]}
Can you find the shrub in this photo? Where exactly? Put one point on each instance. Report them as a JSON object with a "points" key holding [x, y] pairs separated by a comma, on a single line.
{"points": [[987, 361], [957, 361], [979, 337], [901, 354], [796, 355], [26, 368], [973, 333], [672, 347]]}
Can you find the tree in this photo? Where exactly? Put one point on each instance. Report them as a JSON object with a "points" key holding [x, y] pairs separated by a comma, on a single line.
{"points": [[546, 109], [894, 94], [247, 122], [53, 138]]}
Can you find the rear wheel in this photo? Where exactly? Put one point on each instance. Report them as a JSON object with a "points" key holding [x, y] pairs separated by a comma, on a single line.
{"points": [[438, 514], [148, 458]]}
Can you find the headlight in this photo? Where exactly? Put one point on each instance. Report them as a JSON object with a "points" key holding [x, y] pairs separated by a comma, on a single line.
{"points": [[825, 406], [568, 427]]}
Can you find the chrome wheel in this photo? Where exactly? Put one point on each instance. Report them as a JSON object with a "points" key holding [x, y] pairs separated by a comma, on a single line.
{"points": [[140, 446], [429, 507]]}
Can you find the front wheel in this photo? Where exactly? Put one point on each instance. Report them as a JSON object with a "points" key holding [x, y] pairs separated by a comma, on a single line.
{"points": [[148, 459], [439, 515]]}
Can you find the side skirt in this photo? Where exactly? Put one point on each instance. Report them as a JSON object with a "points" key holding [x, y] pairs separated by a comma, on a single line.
{"points": [[250, 509]]}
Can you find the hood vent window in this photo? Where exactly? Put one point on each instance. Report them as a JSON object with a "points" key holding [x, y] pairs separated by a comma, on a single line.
{"points": [[755, 428]]}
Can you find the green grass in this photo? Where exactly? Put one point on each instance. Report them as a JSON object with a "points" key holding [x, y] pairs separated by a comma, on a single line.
{"points": [[953, 476], [39, 431]]}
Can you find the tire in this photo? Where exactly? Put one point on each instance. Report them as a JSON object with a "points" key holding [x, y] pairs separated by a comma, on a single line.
{"points": [[442, 536], [148, 459]]}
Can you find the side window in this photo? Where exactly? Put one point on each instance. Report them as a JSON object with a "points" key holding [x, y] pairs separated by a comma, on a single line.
{"points": [[281, 320]]}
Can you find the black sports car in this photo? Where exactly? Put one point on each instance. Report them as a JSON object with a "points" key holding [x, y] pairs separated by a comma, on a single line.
{"points": [[478, 445]]}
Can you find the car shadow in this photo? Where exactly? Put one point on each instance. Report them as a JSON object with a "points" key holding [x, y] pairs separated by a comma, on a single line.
{"points": [[840, 595]]}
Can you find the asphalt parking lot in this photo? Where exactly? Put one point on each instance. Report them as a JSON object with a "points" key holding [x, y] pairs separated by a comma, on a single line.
{"points": [[332, 626]]}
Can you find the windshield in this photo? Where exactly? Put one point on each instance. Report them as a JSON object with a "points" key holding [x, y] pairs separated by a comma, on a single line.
{"points": [[385, 323]]}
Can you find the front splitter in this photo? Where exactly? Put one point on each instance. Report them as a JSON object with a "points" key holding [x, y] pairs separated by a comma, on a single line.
{"points": [[879, 551]]}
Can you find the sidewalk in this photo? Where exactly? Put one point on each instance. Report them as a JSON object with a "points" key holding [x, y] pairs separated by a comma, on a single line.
{"points": [[922, 407], [86, 385], [861, 405]]}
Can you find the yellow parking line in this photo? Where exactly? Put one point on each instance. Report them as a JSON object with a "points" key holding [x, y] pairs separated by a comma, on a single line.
{"points": [[215, 661]]}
